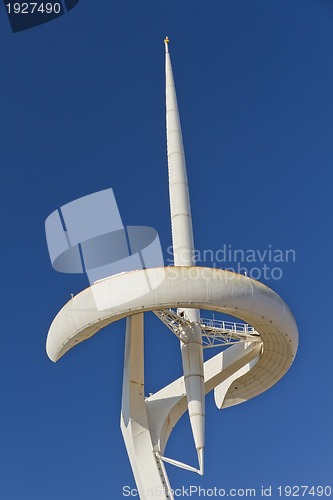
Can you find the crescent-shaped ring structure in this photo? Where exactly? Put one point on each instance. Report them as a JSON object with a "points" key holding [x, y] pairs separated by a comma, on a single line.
{"points": [[187, 287]]}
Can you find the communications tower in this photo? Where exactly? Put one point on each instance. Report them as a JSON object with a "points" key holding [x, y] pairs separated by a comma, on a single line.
{"points": [[258, 348]]}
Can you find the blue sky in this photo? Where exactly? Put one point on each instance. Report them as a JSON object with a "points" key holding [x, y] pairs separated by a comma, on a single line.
{"points": [[82, 109]]}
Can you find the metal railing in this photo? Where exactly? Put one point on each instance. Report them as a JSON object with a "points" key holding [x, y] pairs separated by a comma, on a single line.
{"points": [[229, 326]]}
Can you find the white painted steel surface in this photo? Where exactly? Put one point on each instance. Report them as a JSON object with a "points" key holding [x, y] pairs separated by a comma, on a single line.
{"points": [[181, 218], [148, 473], [241, 372]]}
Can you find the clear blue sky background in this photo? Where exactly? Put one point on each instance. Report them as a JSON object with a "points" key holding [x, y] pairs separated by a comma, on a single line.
{"points": [[82, 109]]}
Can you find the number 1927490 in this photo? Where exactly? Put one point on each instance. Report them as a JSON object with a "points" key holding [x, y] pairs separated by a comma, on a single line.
{"points": [[302, 491], [33, 7]]}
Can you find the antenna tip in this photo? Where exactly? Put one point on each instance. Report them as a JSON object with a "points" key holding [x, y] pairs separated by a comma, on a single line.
{"points": [[166, 43]]}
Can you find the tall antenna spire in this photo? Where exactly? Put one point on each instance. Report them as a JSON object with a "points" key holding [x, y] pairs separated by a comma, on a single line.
{"points": [[181, 218], [183, 250]]}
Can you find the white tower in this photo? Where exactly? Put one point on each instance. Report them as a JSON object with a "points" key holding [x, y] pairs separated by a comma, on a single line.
{"points": [[260, 349]]}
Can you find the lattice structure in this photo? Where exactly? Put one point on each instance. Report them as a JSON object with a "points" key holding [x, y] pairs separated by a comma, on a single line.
{"points": [[215, 333]]}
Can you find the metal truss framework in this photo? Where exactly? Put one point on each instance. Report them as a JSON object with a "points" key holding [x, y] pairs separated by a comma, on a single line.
{"points": [[215, 333]]}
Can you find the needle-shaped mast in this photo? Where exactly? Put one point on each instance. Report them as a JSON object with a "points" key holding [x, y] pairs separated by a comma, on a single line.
{"points": [[183, 249]]}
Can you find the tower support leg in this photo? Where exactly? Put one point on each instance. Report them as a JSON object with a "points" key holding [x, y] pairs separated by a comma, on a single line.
{"points": [[149, 471]]}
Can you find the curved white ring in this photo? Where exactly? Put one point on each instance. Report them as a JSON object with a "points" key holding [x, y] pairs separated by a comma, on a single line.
{"points": [[204, 288]]}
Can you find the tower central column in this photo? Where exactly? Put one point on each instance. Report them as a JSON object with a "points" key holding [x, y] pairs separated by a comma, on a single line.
{"points": [[183, 250]]}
